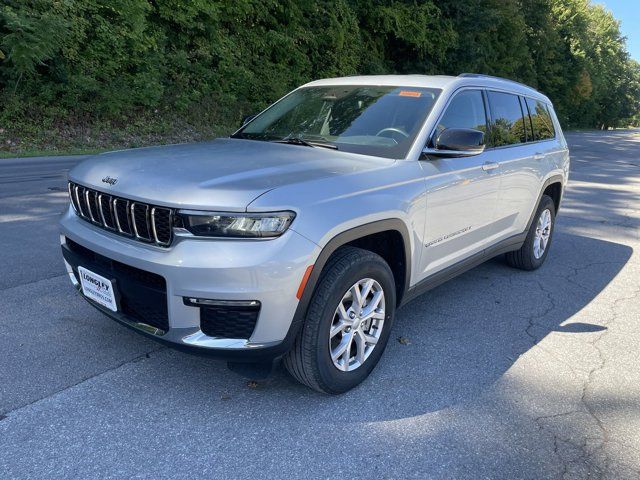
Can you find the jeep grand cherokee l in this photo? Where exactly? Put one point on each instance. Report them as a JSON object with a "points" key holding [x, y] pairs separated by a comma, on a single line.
{"points": [[299, 236]]}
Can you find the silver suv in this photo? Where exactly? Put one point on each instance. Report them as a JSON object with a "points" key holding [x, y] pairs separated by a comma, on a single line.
{"points": [[298, 237]]}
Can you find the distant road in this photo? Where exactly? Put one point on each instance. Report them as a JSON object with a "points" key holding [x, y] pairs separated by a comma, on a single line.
{"points": [[19, 176]]}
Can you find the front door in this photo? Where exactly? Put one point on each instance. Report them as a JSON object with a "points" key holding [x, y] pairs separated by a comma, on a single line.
{"points": [[462, 193]]}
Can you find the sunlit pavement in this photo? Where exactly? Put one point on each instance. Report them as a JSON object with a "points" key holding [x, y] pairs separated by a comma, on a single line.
{"points": [[500, 374]]}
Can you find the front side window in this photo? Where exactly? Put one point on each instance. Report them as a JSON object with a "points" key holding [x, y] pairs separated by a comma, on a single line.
{"points": [[507, 122], [541, 120], [372, 120], [466, 110]]}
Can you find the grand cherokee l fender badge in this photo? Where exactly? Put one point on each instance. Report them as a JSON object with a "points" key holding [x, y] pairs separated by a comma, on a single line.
{"points": [[445, 237]]}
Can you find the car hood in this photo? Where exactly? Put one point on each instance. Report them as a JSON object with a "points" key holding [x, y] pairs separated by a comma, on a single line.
{"points": [[225, 174]]}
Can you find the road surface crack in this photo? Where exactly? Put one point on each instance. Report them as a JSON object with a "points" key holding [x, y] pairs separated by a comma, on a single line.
{"points": [[591, 458]]}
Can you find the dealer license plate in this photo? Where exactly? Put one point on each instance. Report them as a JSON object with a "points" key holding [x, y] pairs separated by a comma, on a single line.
{"points": [[98, 289]]}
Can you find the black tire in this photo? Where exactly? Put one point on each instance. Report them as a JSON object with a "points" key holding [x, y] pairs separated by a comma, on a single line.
{"points": [[525, 259], [309, 360]]}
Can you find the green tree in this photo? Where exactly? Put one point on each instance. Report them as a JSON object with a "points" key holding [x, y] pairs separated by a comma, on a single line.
{"points": [[69, 63]]}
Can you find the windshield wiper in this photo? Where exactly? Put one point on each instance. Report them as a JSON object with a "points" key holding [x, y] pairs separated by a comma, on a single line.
{"points": [[306, 143], [294, 141]]}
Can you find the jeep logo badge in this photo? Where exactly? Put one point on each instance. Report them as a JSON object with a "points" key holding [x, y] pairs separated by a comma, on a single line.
{"points": [[110, 180]]}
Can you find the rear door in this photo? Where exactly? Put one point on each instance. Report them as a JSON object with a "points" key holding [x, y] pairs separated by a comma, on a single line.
{"points": [[519, 141], [461, 192]]}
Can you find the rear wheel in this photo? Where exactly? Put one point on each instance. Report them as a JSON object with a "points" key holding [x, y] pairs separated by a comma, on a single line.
{"points": [[534, 251], [347, 324]]}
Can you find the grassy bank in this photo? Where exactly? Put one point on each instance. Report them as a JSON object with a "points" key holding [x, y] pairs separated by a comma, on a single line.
{"points": [[92, 136]]}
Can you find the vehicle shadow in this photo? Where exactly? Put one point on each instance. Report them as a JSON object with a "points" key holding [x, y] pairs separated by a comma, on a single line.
{"points": [[465, 334], [446, 347]]}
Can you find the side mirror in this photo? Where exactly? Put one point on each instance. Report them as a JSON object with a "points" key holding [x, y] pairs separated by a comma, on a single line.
{"points": [[247, 119], [457, 142]]}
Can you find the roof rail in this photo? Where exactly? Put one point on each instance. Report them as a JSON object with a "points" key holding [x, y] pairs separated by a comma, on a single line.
{"points": [[482, 75]]}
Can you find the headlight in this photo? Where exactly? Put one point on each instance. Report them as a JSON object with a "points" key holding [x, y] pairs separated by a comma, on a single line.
{"points": [[237, 225]]}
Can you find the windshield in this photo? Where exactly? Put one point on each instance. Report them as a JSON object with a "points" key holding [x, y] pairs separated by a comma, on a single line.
{"points": [[371, 120]]}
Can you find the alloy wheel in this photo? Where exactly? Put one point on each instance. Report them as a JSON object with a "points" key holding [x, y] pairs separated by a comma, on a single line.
{"points": [[357, 325], [543, 233]]}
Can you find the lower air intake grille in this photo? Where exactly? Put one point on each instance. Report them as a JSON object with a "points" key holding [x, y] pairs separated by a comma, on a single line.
{"points": [[229, 321], [142, 294]]}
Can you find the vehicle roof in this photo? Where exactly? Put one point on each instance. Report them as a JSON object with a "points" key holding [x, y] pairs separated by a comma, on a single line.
{"points": [[444, 82]]}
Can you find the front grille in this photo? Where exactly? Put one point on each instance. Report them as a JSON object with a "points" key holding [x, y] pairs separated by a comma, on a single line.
{"points": [[140, 216], [142, 294], [144, 222], [123, 221], [105, 204], [229, 321]]}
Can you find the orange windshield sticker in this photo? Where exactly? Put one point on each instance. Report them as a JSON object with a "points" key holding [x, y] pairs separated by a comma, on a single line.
{"points": [[409, 93]]}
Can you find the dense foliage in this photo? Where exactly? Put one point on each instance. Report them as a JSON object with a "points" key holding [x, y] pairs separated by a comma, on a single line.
{"points": [[203, 64]]}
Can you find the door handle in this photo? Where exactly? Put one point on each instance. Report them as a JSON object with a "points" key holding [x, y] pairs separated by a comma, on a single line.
{"points": [[538, 156], [486, 166]]}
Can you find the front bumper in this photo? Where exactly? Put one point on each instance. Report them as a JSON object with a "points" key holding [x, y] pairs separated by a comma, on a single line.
{"points": [[267, 271]]}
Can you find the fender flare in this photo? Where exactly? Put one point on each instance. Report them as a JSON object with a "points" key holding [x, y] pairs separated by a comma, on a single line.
{"points": [[552, 179], [341, 239]]}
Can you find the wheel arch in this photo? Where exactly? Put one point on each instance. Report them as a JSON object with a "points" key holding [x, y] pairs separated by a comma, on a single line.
{"points": [[553, 189], [549, 183], [351, 237]]}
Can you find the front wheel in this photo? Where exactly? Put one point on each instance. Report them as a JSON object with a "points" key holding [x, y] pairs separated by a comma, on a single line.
{"points": [[534, 251], [347, 325]]}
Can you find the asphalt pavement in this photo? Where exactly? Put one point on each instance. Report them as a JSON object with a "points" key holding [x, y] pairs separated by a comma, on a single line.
{"points": [[500, 373]]}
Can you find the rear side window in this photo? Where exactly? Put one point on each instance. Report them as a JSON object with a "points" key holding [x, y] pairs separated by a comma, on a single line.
{"points": [[507, 122], [466, 110], [541, 120]]}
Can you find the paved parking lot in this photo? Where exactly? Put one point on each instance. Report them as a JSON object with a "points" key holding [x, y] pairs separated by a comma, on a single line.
{"points": [[503, 374]]}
